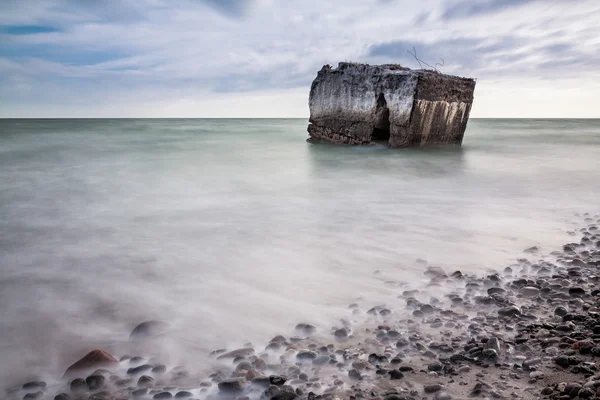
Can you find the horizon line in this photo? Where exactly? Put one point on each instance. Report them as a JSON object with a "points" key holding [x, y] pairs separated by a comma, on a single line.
{"points": [[305, 118]]}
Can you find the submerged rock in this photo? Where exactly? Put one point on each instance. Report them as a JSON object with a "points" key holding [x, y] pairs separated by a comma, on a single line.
{"points": [[149, 329], [389, 104]]}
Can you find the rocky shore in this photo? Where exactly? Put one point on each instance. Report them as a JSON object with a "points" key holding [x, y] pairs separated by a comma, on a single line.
{"points": [[530, 331]]}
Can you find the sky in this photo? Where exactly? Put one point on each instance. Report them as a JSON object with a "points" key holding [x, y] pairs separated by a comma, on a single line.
{"points": [[257, 58]]}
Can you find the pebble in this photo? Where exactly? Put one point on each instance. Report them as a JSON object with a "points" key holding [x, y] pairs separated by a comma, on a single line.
{"points": [[95, 382], [162, 395], [34, 385], [233, 385], [354, 375], [341, 333], [432, 388]]}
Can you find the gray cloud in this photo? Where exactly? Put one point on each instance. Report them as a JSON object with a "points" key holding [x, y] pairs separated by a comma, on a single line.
{"points": [[506, 55], [234, 8], [469, 8]]}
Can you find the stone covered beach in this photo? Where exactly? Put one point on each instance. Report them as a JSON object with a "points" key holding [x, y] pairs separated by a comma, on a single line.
{"points": [[530, 331]]}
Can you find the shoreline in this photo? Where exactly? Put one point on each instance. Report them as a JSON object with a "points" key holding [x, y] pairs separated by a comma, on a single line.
{"points": [[530, 331]]}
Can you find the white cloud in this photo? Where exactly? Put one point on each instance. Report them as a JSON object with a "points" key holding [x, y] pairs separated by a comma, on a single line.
{"points": [[190, 58]]}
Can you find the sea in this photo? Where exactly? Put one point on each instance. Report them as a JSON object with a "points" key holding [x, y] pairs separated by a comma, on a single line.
{"points": [[235, 230]]}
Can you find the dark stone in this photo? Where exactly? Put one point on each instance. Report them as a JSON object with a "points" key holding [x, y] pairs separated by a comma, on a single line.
{"points": [[586, 393], [148, 329], [233, 385], [62, 396], [432, 388], [307, 329], [560, 311], [162, 395], [34, 385], [495, 290], [183, 394], [577, 291], [145, 380], [565, 361], [406, 368], [509, 311], [285, 395], [277, 380], [33, 396], [435, 366], [341, 333], [396, 374], [354, 375], [159, 369], [442, 396], [78, 384], [140, 392], [95, 382], [306, 355], [139, 370], [427, 309]]}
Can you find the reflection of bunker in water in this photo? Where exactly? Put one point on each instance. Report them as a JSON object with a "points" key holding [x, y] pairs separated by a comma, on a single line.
{"points": [[388, 104]]}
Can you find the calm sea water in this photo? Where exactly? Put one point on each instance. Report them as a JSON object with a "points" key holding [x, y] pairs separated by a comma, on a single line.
{"points": [[235, 230]]}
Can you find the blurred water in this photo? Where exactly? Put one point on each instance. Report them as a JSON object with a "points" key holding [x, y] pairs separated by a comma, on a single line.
{"points": [[235, 230]]}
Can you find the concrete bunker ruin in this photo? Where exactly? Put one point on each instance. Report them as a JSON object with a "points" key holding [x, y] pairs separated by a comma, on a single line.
{"points": [[361, 104]]}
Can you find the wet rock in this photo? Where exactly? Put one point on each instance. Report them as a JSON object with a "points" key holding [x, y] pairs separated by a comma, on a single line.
{"points": [[149, 329], [341, 333], [62, 396], [145, 380], [307, 329], [354, 375], [95, 382], [140, 392], [285, 395], [277, 380], [78, 384], [306, 355], [233, 385], [162, 395], [159, 369], [93, 359], [183, 394], [140, 369], [435, 272], [432, 388], [41, 385], [496, 290], [577, 291], [243, 352], [34, 395], [509, 311], [565, 361], [396, 374], [435, 366], [442, 396], [586, 393], [530, 291]]}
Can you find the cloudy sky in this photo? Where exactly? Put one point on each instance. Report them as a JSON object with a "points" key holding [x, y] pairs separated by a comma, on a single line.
{"points": [[257, 58]]}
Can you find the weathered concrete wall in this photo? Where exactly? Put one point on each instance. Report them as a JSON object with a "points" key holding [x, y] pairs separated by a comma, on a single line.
{"points": [[419, 107]]}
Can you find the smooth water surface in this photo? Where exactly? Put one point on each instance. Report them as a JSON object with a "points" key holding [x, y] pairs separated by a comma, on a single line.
{"points": [[235, 230]]}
